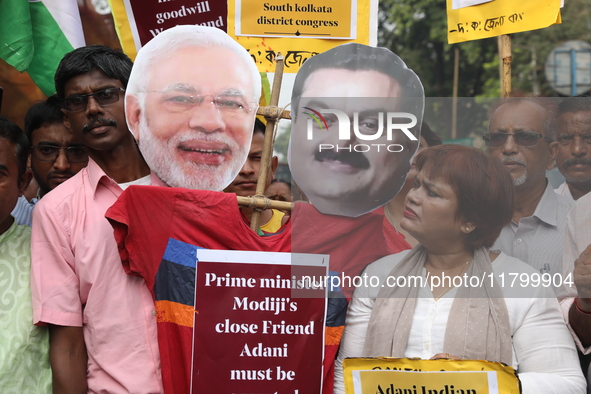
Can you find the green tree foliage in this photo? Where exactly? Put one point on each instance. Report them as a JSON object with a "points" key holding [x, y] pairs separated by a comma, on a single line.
{"points": [[530, 49], [416, 30]]}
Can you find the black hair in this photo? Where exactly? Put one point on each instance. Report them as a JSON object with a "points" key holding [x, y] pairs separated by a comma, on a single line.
{"points": [[357, 57], [259, 126], [575, 104], [113, 64], [11, 132], [43, 113], [281, 181]]}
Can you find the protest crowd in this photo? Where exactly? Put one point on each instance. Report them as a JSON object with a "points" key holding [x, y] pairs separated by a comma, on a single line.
{"points": [[122, 176]]}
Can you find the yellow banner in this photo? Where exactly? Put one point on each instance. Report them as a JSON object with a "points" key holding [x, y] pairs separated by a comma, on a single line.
{"points": [[327, 19], [123, 28], [500, 17], [295, 50], [415, 376]]}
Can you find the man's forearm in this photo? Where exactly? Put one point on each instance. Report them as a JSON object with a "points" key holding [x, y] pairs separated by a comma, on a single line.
{"points": [[579, 317], [68, 358]]}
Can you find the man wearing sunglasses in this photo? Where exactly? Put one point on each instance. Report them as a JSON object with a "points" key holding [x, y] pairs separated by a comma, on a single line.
{"points": [[521, 135], [101, 321]]}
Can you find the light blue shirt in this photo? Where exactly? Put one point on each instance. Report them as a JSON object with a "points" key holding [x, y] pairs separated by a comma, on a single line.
{"points": [[23, 211]]}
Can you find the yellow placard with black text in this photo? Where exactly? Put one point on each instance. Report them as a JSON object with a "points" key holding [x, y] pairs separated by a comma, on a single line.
{"points": [[415, 376], [499, 17], [326, 19], [299, 30]]}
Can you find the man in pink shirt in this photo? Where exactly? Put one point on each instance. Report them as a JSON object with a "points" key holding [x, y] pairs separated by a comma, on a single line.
{"points": [[102, 322]]}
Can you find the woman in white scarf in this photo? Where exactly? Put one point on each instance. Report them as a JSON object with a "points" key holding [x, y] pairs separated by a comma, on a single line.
{"points": [[460, 201]]}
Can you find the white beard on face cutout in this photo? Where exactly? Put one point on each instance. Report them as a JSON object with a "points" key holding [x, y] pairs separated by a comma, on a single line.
{"points": [[175, 171]]}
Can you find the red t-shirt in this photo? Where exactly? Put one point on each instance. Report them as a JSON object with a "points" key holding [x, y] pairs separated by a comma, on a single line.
{"points": [[158, 231]]}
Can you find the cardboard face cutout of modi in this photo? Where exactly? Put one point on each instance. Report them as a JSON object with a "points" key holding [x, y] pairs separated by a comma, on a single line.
{"points": [[191, 103], [356, 113]]}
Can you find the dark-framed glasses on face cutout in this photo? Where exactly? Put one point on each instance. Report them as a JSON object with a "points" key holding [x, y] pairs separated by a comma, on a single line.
{"points": [[50, 153], [103, 97], [229, 104], [521, 138]]}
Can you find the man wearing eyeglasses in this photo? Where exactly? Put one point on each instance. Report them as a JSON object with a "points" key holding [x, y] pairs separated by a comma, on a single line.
{"points": [[521, 134], [191, 102], [56, 153], [102, 321]]}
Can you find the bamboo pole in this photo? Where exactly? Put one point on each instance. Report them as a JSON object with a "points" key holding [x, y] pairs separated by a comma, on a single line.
{"points": [[262, 202], [268, 141], [274, 112], [505, 55], [454, 100]]}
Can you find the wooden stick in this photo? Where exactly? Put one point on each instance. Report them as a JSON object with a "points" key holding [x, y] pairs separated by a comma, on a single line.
{"points": [[505, 55], [262, 202], [454, 100], [268, 141], [274, 112]]}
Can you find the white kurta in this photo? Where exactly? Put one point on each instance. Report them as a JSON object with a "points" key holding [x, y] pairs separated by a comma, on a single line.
{"points": [[543, 351]]}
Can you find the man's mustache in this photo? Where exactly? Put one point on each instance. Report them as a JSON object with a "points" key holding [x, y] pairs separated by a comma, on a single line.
{"points": [[354, 159], [60, 173], [98, 122], [513, 159], [576, 160]]}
